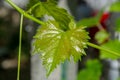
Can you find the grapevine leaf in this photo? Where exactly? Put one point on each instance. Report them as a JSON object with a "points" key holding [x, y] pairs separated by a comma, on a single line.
{"points": [[111, 45], [115, 7], [56, 45], [101, 36], [50, 8], [92, 71]]}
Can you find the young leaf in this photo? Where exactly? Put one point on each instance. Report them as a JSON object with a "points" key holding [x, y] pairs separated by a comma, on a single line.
{"points": [[56, 45], [50, 8], [92, 21], [92, 71], [101, 36], [111, 45], [88, 22], [115, 7]]}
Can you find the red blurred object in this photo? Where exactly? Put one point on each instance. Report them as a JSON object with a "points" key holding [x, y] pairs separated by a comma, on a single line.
{"points": [[104, 18]]}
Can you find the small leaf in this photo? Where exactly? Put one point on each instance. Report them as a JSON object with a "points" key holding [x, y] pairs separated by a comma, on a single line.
{"points": [[88, 22], [56, 45], [101, 36], [50, 8], [92, 21], [92, 71], [115, 7], [111, 45]]}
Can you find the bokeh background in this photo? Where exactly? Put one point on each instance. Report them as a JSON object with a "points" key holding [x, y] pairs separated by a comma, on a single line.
{"points": [[31, 68]]}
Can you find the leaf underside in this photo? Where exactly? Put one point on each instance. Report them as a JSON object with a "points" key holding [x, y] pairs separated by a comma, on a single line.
{"points": [[50, 8], [56, 45]]}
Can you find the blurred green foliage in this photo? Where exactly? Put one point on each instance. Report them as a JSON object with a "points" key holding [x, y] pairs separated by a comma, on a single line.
{"points": [[92, 71], [113, 45], [101, 36], [117, 25], [115, 7]]}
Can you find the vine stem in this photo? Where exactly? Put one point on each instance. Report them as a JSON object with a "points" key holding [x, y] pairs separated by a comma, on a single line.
{"points": [[20, 44], [21, 11], [101, 48]]}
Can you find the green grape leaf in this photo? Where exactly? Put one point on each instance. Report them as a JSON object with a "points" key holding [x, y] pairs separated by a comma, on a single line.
{"points": [[111, 45], [56, 45], [92, 71], [117, 23], [50, 8], [115, 7], [101, 36], [92, 21]]}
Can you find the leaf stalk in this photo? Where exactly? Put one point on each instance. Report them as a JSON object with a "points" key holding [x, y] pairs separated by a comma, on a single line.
{"points": [[101, 48], [21, 11], [20, 44]]}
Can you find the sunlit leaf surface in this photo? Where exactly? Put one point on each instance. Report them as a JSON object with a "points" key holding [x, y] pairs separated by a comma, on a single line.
{"points": [[56, 45]]}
